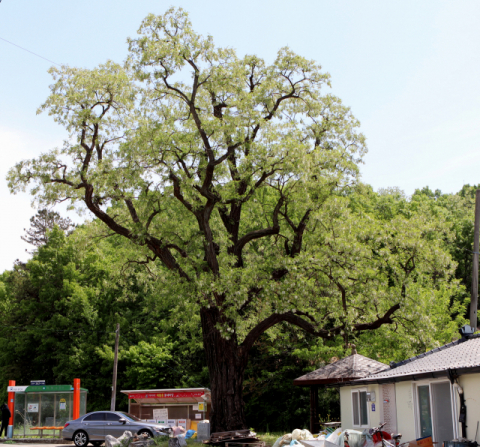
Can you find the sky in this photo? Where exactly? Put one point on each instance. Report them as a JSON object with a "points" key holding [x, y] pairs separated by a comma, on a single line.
{"points": [[409, 70]]}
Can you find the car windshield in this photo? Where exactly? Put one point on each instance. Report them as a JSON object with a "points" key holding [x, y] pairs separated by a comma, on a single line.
{"points": [[130, 417]]}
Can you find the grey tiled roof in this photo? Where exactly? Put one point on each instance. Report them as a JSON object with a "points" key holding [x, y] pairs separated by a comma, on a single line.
{"points": [[353, 367], [460, 356]]}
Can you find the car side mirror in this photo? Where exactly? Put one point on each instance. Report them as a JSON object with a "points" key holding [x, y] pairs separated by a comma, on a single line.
{"points": [[122, 420]]}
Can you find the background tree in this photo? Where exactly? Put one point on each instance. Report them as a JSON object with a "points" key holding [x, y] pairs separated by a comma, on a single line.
{"points": [[222, 172], [59, 312], [42, 223], [458, 210]]}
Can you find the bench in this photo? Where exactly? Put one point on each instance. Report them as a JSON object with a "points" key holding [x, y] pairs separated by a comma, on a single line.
{"points": [[40, 429]]}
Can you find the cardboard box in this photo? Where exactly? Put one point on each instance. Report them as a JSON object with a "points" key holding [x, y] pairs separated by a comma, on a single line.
{"points": [[422, 442]]}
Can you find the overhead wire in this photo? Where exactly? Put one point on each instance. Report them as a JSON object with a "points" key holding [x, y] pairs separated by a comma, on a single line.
{"points": [[11, 43]]}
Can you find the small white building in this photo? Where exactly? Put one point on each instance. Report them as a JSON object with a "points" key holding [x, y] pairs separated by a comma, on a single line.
{"points": [[421, 396]]}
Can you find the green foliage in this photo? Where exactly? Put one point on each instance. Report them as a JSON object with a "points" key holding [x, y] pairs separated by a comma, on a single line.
{"points": [[272, 402], [60, 313]]}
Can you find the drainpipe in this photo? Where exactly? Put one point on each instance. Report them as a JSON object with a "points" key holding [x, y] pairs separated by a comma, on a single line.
{"points": [[463, 409], [453, 376]]}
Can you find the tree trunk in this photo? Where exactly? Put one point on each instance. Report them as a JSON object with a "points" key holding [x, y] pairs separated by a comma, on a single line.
{"points": [[226, 364]]}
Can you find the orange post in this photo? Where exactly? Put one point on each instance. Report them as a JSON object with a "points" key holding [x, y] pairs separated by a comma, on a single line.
{"points": [[11, 406], [76, 398]]}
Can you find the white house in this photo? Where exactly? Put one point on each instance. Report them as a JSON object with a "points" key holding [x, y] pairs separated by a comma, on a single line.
{"points": [[420, 396]]}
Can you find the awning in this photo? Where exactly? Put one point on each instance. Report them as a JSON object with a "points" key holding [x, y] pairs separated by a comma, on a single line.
{"points": [[345, 370], [170, 396]]}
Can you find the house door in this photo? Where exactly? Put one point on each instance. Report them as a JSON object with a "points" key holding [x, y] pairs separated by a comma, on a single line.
{"points": [[435, 411], [442, 414]]}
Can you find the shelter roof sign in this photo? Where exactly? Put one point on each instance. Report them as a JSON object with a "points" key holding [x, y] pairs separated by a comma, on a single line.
{"points": [[43, 389], [16, 389], [165, 396]]}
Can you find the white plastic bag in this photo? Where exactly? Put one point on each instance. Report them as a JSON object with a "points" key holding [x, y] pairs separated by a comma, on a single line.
{"points": [[297, 434], [307, 436], [332, 437]]}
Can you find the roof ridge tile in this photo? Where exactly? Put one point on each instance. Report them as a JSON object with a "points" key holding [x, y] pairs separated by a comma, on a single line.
{"points": [[457, 355], [432, 351]]}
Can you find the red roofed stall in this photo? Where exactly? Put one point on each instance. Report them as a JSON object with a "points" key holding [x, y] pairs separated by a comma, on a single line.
{"points": [[181, 404]]}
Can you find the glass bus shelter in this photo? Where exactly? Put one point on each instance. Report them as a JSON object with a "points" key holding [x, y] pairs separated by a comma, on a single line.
{"points": [[45, 406]]}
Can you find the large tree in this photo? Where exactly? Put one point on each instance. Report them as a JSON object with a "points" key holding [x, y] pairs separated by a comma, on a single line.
{"points": [[217, 168]]}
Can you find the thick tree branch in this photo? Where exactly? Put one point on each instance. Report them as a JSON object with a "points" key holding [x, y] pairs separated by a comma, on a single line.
{"points": [[311, 328], [298, 231], [132, 211], [182, 252], [177, 192], [276, 318], [257, 234], [380, 321]]}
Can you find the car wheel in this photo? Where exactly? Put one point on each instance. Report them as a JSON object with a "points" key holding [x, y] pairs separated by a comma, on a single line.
{"points": [[80, 439], [145, 432]]}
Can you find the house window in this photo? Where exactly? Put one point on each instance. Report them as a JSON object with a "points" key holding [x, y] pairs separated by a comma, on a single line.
{"points": [[424, 411], [360, 409]]}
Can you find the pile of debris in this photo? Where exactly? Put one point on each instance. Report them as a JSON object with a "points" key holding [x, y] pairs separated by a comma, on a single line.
{"points": [[235, 436], [141, 440], [294, 438]]}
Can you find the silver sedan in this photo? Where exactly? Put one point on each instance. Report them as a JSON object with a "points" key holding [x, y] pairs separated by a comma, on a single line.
{"points": [[93, 427]]}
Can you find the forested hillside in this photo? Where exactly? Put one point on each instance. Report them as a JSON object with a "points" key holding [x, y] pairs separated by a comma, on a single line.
{"points": [[59, 310]]}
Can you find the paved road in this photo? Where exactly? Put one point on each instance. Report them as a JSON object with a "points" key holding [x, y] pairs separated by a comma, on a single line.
{"points": [[33, 444]]}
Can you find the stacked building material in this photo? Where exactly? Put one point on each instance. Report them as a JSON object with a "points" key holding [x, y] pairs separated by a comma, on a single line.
{"points": [[233, 436]]}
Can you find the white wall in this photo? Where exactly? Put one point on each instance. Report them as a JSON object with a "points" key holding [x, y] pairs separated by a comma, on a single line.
{"points": [[471, 388], [346, 407], [404, 408], [346, 413], [389, 407], [405, 411]]}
